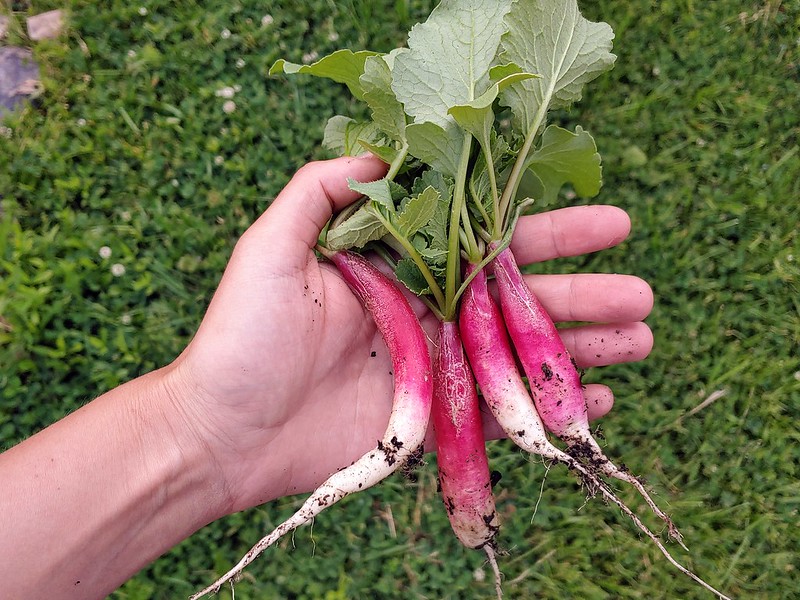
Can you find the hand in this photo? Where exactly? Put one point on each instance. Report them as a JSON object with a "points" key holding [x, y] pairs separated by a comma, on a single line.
{"points": [[287, 379]]}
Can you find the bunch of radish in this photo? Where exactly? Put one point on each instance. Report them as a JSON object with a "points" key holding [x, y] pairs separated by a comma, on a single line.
{"points": [[460, 116]]}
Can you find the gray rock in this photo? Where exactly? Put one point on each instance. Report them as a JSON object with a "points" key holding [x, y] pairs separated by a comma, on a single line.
{"points": [[19, 77], [46, 26]]}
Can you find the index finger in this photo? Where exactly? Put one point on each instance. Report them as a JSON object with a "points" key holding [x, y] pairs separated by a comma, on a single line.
{"points": [[569, 232]]}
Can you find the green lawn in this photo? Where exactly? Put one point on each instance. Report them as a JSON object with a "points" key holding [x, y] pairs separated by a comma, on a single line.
{"points": [[699, 127]]}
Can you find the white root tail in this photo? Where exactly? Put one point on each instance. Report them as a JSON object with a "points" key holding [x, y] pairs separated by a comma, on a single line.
{"points": [[609, 495], [364, 473], [492, 559], [609, 469]]}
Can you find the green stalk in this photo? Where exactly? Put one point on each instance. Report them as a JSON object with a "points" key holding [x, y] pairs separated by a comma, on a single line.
{"points": [[519, 164], [469, 240], [510, 192], [498, 221], [453, 272], [414, 255], [397, 163]]}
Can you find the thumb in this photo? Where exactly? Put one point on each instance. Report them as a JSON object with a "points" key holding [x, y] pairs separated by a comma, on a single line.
{"points": [[318, 190]]}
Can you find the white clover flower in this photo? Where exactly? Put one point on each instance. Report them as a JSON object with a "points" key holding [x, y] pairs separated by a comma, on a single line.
{"points": [[225, 34], [656, 71], [333, 36], [118, 270], [226, 92], [237, 88], [218, 160], [81, 122], [310, 57], [223, 131], [229, 107], [125, 215], [125, 319], [175, 183], [267, 20], [143, 11], [6, 132], [104, 252], [131, 53], [240, 63]]}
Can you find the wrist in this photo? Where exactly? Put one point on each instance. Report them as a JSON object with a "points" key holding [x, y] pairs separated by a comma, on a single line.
{"points": [[187, 444], [242, 455]]}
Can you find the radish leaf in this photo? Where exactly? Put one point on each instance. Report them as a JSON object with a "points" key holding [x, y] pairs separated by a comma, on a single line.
{"points": [[343, 135], [357, 231], [387, 111], [383, 192], [449, 58], [436, 146], [343, 66], [417, 212], [566, 157], [551, 38]]}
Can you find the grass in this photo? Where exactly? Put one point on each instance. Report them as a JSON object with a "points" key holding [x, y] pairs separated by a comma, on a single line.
{"points": [[128, 147]]}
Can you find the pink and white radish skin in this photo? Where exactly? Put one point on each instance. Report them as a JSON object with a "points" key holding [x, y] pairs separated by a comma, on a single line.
{"points": [[486, 344], [408, 422], [553, 377], [461, 447]]}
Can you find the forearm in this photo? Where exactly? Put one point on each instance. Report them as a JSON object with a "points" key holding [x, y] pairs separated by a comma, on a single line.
{"points": [[89, 501]]}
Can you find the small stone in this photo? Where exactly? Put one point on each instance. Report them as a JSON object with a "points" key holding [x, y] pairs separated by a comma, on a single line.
{"points": [[19, 77], [46, 26]]}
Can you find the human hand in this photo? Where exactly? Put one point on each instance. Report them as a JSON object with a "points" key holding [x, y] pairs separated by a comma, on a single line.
{"points": [[288, 380]]}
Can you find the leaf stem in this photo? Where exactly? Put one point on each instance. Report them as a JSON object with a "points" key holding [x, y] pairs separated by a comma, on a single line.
{"points": [[382, 251], [512, 185], [397, 163], [453, 272], [414, 255]]}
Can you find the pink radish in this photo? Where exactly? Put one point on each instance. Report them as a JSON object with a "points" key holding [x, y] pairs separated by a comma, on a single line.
{"points": [[413, 391], [461, 448], [553, 378], [487, 347]]}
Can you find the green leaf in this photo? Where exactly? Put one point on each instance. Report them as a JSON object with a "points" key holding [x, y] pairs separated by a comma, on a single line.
{"points": [[417, 212], [436, 231], [552, 39], [449, 58], [386, 153], [477, 116], [387, 111], [357, 231], [409, 274], [342, 66], [440, 148], [343, 135], [566, 157], [383, 192]]}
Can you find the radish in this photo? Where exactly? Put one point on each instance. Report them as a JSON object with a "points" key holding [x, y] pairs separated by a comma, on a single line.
{"points": [[408, 423], [554, 380], [487, 346], [461, 449]]}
